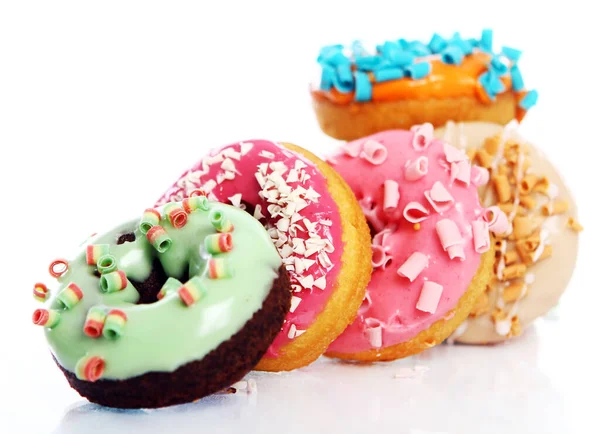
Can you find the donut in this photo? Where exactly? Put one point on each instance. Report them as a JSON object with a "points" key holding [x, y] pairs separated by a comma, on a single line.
{"points": [[317, 226], [165, 309], [536, 258], [403, 83], [431, 244]]}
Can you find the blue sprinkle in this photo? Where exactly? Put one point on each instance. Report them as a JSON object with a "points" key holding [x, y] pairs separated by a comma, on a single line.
{"points": [[363, 87], [487, 36], [344, 74], [452, 55], [499, 67], [529, 100], [418, 48], [358, 50], [368, 63], [465, 46], [334, 58], [512, 53], [418, 70], [327, 77], [383, 64], [329, 52], [401, 58], [403, 43], [437, 43], [388, 74], [389, 47], [473, 42], [516, 78], [491, 83]]}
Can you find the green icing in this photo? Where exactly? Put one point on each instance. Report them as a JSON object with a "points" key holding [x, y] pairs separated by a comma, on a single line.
{"points": [[166, 334]]}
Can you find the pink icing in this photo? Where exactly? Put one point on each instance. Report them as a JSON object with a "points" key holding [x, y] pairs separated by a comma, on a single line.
{"points": [[313, 262], [391, 301]]}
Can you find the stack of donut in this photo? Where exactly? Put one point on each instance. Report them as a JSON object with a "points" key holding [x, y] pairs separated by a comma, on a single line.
{"points": [[263, 256]]}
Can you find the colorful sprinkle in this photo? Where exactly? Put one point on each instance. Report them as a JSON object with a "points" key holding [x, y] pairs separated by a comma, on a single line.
{"points": [[529, 100], [94, 322], [107, 264], [219, 268], [150, 218], [363, 86], [176, 215], [517, 78], [58, 267], [193, 203], [418, 70], [197, 192], [418, 48], [219, 221], [46, 318], [113, 282], [327, 76], [89, 368], [114, 324], [171, 285], [159, 238], [388, 74], [218, 243], [40, 292], [191, 291], [70, 295], [452, 55], [512, 53], [437, 44], [498, 65], [487, 36], [94, 252]]}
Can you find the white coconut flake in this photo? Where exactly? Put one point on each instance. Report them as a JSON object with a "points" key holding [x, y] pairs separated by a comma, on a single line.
{"points": [[246, 147], [295, 302], [321, 283], [292, 176], [209, 185], [285, 251], [257, 212], [299, 164], [236, 200], [283, 224], [266, 154], [292, 332], [307, 281]]}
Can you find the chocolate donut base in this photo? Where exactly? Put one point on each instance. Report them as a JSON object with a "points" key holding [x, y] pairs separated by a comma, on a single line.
{"points": [[220, 368]]}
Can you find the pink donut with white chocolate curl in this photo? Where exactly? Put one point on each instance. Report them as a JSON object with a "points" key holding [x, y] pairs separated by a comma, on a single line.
{"points": [[427, 249], [287, 189]]}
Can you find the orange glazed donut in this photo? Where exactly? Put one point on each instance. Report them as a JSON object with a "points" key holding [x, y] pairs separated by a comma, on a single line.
{"points": [[317, 226], [403, 83], [431, 246]]}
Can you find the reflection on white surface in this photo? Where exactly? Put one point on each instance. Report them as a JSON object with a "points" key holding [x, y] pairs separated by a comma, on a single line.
{"points": [[450, 389]]}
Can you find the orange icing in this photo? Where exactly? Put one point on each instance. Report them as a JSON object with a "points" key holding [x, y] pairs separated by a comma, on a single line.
{"points": [[444, 81]]}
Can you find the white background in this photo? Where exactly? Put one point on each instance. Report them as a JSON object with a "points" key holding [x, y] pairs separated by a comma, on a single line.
{"points": [[104, 103]]}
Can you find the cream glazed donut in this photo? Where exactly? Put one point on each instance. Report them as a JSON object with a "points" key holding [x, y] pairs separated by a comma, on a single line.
{"points": [[431, 241], [536, 258], [317, 226]]}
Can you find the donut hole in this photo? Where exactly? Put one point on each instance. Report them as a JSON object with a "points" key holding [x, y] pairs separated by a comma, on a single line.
{"points": [[126, 238], [149, 288]]}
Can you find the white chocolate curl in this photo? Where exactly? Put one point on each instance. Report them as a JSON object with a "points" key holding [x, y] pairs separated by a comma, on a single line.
{"points": [[379, 257], [453, 154], [423, 136], [414, 212], [479, 176], [413, 266], [461, 171], [439, 198], [496, 220], [352, 148], [391, 195], [416, 169], [450, 238], [430, 296], [481, 236], [374, 152]]}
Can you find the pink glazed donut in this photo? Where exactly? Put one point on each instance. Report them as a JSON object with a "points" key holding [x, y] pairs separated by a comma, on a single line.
{"points": [[431, 241], [317, 226]]}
